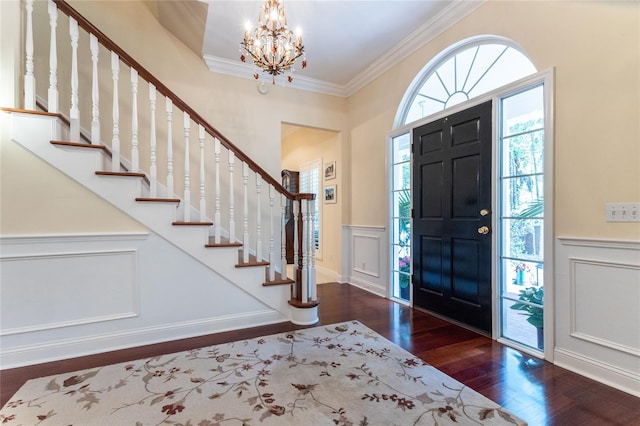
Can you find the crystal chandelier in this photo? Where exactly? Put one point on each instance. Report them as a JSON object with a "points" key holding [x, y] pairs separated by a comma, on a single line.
{"points": [[272, 45]]}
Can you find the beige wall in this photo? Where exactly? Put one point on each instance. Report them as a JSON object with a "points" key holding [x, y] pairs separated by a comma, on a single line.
{"points": [[303, 145], [595, 50], [593, 46], [37, 199]]}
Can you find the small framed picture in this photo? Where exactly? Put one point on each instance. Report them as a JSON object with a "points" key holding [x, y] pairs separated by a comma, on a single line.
{"points": [[330, 194], [330, 170]]}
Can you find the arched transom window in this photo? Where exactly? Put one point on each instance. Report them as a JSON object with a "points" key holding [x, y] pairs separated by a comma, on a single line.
{"points": [[466, 70]]}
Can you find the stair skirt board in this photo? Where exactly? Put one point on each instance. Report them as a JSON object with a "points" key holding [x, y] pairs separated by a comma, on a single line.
{"points": [[35, 132]]}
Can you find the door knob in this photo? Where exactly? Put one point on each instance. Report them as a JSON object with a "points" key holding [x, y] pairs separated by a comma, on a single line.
{"points": [[484, 212], [484, 230]]}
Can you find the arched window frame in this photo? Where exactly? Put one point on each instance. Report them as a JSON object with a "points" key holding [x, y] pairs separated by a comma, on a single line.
{"points": [[441, 59]]}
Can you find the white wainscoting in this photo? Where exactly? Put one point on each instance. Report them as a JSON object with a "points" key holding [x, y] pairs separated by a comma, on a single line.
{"points": [[365, 258], [66, 289], [65, 296], [598, 310]]}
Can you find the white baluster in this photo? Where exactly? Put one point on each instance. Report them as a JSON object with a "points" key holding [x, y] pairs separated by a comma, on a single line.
{"points": [[232, 222], [217, 213], [169, 111], [153, 168], [283, 236], [29, 79], [245, 218], [74, 113], [203, 200], [53, 58], [272, 253], [95, 91], [304, 297], [258, 219], [187, 163], [296, 213], [135, 161], [115, 142], [313, 293]]}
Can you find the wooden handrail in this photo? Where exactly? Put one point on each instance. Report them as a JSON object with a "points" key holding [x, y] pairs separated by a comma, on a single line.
{"points": [[164, 90]]}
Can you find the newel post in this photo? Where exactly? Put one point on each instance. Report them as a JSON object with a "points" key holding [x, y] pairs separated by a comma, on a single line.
{"points": [[304, 299]]}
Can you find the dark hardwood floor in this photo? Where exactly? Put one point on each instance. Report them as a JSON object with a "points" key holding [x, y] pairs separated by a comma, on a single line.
{"points": [[535, 390]]}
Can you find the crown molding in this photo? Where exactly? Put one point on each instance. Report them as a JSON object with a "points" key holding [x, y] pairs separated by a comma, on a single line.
{"points": [[242, 70], [443, 20]]}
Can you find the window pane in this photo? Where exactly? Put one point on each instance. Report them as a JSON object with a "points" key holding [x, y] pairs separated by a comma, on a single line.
{"points": [[402, 176], [523, 196], [524, 154], [515, 325], [522, 239], [402, 203], [523, 112], [520, 274], [401, 148]]}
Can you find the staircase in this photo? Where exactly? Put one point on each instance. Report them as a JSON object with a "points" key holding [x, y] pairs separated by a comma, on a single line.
{"points": [[164, 165]]}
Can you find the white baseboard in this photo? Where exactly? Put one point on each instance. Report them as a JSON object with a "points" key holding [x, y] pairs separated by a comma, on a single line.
{"points": [[369, 286], [607, 374], [90, 345]]}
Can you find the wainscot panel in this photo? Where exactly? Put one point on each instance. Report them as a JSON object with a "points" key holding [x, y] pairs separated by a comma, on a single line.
{"points": [[65, 296], [598, 310], [365, 258]]}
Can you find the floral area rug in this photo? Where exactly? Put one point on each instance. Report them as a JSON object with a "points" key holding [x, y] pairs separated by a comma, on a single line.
{"points": [[342, 374]]}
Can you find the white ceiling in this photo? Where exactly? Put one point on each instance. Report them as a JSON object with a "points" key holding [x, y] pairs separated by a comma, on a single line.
{"points": [[347, 43]]}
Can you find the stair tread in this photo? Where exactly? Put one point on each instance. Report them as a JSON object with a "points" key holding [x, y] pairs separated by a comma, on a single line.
{"points": [[224, 242], [278, 280], [252, 261], [78, 145], [179, 223], [126, 174], [158, 200], [298, 304], [30, 111]]}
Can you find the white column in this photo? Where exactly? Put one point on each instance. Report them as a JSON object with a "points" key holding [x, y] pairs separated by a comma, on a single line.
{"points": [[74, 113], [135, 161], [232, 222], [187, 164], [304, 296], [296, 214], [95, 91], [245, 217], [272, 253], [313, 293], [29, 78], [53, 58], [168, 107], [203, 200], [216, 217], [258, 218], [283, 236], [153, 168], [115, 142]]}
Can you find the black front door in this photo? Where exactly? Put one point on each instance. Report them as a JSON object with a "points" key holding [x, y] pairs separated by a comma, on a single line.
{"points": [[452, 217]]}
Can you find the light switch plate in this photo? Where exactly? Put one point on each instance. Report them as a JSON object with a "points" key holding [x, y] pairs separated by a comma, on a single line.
{"points": [[622, 212]]}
